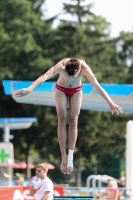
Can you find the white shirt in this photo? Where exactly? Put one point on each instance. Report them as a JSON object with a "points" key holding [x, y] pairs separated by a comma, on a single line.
{"points": [[43, 186]]}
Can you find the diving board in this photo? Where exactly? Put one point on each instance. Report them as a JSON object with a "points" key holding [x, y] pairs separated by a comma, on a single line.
{"points": [[44, 94]]}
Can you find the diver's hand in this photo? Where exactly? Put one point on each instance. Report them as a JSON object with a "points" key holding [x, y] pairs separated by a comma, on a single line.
{"points": [[114, 108], [23, 92]]}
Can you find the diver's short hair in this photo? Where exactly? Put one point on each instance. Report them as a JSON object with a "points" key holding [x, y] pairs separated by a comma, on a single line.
{"points": [[72, 66]]}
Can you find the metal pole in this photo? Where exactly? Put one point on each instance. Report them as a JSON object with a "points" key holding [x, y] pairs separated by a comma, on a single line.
{"points": [[88, 180], [10, 170], [28, 169], [6, 133], [97, 177], [7, 139], [10, 175]]}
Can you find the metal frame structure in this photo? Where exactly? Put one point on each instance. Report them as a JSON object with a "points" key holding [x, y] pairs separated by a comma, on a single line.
{"points": [[8, 124]]}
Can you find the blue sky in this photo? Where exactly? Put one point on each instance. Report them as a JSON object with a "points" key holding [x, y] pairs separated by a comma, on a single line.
{"points": [[118, 12]]}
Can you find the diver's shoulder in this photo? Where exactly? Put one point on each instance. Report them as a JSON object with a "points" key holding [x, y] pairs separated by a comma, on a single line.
{"points": [[65, 60]]}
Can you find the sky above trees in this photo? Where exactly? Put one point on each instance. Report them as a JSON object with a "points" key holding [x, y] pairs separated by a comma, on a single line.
{"points": [[118, 13]]}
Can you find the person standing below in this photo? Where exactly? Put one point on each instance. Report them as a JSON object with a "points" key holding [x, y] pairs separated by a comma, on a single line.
{"points": [[69, 90], [122, 180], [40, 185], [113, 190]]}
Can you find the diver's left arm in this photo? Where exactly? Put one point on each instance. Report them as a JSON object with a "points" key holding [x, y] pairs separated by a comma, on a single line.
{"points": [[92, 79]]}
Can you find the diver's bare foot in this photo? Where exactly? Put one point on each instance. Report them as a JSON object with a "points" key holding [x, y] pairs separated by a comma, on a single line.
{"points": [[63, 166], [69, 166]]}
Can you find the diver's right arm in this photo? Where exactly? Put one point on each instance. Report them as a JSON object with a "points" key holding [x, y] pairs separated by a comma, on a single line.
{"points": [[49, 74]]}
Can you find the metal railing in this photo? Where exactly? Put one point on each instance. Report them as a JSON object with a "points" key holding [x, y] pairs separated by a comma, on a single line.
{"points": [[100, 193]]}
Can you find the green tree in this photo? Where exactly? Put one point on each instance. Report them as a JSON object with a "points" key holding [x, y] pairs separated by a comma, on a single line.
{"points": [[24, 48], [126, 56]]}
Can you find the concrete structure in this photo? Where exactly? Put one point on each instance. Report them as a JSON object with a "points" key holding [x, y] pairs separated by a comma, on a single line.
{"points": [[8, 124], [129, 157], [44, 94]]}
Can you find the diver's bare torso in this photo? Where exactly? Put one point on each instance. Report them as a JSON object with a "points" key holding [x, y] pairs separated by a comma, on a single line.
{"points": [[69, 82]]}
